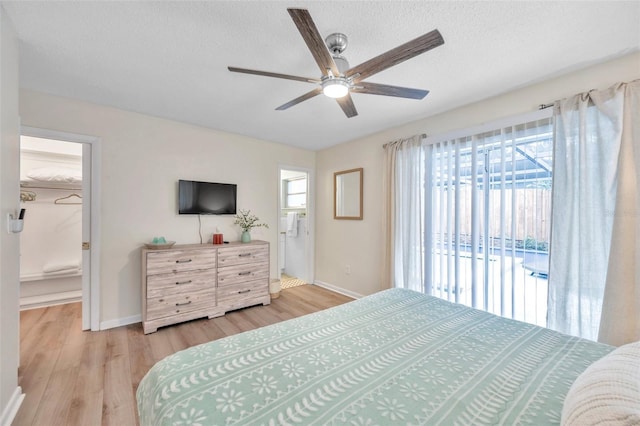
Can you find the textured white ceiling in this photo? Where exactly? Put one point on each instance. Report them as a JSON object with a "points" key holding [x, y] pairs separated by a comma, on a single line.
{"points": [[170, 59]]}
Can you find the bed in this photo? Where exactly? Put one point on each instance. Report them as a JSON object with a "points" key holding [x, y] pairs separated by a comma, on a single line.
{"points": [[395, 357]]}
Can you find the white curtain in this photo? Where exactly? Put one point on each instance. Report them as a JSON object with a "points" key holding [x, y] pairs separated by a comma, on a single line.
{"points": [[404, 213], [594, 270]]}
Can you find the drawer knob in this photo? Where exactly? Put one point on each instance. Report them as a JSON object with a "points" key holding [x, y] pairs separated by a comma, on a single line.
{"points": [[182, 304], [244, 273], [244, 291], [183, 282], [244, 254], [183, 261]]}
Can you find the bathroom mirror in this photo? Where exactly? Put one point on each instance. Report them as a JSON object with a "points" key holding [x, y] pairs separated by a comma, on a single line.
{"points": [[347, 194]]}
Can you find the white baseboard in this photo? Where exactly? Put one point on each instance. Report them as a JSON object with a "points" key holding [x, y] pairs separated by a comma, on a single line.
{"points": [[338, 289], [10, 411], [119, 322], [32, 302]]}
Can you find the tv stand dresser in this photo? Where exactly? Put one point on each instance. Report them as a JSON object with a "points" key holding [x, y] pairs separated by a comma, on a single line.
{"points": [[192, 281]]}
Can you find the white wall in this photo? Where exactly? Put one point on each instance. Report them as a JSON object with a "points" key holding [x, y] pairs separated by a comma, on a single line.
{"points": [[9, 202], [359, 243], [142, 159], [349, 252]]}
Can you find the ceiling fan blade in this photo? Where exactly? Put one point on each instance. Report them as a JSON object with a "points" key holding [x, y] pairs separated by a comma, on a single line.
{"points": [[395, 56], [386, 90], [315, 42], [346, 103], [274, 74], [296, 101]]}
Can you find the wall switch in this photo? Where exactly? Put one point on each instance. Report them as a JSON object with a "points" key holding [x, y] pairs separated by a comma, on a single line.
{"points": [[347, 269]]}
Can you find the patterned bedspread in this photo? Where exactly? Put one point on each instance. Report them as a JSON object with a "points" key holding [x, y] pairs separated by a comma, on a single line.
{"points": [[396, 357]]}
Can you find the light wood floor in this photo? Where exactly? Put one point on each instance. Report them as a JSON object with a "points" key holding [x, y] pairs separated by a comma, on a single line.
{"points": [[71, 377]]}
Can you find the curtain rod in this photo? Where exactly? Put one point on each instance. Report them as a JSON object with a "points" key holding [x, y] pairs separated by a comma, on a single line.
{"points": [[423, 136], [544, 106]]}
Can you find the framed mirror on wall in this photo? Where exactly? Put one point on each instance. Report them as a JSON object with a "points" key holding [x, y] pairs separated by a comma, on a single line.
{"points": [[347, 194]]}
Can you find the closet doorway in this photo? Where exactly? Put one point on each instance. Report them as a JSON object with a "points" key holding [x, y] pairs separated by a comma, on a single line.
{"points": [[295, 228], [58, 191]]}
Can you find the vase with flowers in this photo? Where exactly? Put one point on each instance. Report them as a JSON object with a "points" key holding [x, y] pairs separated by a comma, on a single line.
{"points": [[247, 221]]}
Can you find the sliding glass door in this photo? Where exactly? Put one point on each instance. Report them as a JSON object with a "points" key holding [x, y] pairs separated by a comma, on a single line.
{"points": [[487, 220]]}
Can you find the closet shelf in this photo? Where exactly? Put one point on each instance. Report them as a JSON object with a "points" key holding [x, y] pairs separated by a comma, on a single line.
{"points": [[31, 184], [43, 276]]}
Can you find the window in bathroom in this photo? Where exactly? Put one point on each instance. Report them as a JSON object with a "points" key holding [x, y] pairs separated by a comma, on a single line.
{"points": [[296, 193]]}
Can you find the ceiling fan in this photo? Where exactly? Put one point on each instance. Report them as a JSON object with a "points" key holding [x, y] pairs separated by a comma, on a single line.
{"points": [[338, 80]]}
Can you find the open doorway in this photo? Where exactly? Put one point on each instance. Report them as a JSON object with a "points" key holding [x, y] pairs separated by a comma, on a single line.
{"points": [[51, 242], [59, 187], [295, 228]]}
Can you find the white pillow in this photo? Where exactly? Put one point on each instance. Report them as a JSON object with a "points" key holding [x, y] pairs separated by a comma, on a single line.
{"points": [[55, 174], [607, 392]]}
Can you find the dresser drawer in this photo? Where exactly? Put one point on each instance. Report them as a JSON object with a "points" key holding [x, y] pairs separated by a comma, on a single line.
{"points": [[175, 304], [242, 273], [243, 254], [245, 291], [180, 282], [165, 261]]}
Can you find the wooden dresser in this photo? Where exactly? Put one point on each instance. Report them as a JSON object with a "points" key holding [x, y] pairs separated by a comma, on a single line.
{"points": [[202, 280]]}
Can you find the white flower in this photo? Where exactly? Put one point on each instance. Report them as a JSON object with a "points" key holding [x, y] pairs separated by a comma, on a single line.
{"points": [[318, 359], [340, 350], [228, 344], [413, 391], [449, 365], [264, 384], [229, 401], [377, 334], [432, 376], [292, 370], [360, 341], [461, 355], [392, 408]]}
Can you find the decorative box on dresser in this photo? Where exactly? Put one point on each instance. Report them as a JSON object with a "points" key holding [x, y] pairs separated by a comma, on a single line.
{"points": [[193, 281]]}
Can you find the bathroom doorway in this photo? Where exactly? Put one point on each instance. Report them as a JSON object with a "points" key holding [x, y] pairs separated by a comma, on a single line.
{"points": [[57, 180], [295, 257]]}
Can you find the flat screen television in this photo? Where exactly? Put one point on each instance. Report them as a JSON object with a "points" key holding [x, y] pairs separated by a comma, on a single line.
{"points": [[206, 197]]}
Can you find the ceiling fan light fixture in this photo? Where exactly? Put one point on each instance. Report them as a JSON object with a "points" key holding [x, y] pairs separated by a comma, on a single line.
{"points": [[338, 78], [335, 87]]}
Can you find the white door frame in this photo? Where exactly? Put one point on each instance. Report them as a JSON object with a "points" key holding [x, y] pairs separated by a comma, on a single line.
{"points": [[310, 241], [91, 156]]}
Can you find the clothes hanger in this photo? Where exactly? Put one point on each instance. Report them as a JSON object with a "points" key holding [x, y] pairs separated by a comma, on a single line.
{"points": [[67, 197]]}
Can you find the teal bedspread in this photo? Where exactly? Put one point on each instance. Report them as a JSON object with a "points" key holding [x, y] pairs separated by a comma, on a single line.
{"points": [[396, 357]]}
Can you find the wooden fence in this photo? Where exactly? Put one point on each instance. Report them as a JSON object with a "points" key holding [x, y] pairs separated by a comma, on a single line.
{"points": [[532, 216]]}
